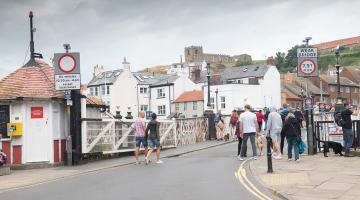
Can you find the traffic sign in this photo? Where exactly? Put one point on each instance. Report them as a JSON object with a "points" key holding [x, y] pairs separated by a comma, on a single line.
{"points": [[322, 107], [67, 71], [148, 115], [308, 103], [67, 94], [307, 53]]}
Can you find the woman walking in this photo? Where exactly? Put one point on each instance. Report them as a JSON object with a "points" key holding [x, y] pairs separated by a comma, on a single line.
{"points": [[220, 129], [274, 126], [233, 124], [260, 118], [292, 131]]}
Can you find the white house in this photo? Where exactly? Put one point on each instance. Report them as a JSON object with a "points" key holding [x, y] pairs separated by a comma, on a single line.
{"points": [[125, 91], [232, 88]]}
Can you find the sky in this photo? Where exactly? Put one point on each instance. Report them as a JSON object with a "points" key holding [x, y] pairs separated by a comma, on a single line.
{"points": [[155, 32]]}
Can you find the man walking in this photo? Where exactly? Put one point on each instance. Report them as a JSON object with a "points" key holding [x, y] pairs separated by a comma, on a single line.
{"points": [[153, 139], [139, 126], [249, 129], [347, 129], [283, 113]]}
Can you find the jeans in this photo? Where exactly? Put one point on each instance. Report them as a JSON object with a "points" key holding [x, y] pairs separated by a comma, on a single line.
{"points": [[239, 148], [348, 139], [292, 143], [244, 144], [282, 142]]}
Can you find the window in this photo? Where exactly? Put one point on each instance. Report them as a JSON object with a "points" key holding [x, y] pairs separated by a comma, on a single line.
{"points": [[144, 108], [222, 102], [196, 51], [108, 89], [91, 91], [143, 90], [354, 101], [177, 107], [103, 92], [194, 105], [96, 91], [161, 93], [332, 88], [185, 106], [161, 110], [107, 103], [212, 103], [347, 89], [341, 89]]}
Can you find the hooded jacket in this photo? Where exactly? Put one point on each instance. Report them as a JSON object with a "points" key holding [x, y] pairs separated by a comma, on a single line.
{"points": [[292, 127]]}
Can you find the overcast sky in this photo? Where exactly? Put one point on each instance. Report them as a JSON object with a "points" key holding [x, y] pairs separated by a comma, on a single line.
{"points": [[154, 32]]}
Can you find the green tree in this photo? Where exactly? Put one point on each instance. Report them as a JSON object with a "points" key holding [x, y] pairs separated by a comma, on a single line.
{"points": [[291, 59], [280, 61]]}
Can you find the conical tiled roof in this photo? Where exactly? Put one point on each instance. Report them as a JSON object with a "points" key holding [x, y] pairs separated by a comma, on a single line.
{"points": [[30, 82]]}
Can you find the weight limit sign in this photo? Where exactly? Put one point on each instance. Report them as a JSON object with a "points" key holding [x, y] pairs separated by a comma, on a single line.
{"points": [[307, 67]]}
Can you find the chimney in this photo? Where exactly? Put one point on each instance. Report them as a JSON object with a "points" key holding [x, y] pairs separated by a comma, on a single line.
{"points": [[98, 70], [216, 77], [126, 65], [270, 61]]}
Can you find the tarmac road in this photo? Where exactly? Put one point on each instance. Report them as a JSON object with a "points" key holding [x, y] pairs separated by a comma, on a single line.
{"points": [[207, 174]]}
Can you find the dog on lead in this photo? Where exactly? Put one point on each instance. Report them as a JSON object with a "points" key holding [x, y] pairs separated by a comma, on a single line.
{"points": [[336, 146], [260, 143]]}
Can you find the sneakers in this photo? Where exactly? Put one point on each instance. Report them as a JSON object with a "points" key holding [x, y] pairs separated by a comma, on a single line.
{"points": [[241, 158], [255, 158], [297, 160], [147, 161], [290, 159], [159, 162]]}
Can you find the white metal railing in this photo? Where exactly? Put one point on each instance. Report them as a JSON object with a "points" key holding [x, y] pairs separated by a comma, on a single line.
{"points": [[113, 136]]}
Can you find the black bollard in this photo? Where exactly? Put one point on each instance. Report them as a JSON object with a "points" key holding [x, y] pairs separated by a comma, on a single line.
{"points": [[269, 161]]}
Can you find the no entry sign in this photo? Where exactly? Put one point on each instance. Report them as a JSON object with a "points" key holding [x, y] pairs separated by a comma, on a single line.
{"points": [[67, 71], [307, 62]]}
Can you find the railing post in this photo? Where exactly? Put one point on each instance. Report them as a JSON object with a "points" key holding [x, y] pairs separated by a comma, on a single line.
{"points": [[175, 133]]}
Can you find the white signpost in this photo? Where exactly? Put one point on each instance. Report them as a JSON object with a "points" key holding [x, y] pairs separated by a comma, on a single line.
{"points": [[307, 62], [67, 71]]}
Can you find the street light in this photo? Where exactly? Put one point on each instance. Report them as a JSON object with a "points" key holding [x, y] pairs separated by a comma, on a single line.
{"points": [[208, 84], [338, 95], [306, 41]]}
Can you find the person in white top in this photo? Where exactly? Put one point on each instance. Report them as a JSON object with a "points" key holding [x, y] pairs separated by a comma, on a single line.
{"points": [[249, 129]]}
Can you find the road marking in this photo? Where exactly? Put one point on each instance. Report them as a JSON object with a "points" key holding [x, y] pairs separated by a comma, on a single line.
{"points": [[241, 176]]}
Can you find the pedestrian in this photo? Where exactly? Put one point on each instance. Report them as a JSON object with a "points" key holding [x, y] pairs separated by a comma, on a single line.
{"points": [[299, 116], [260, 118], [284, 112], [2, 158], [233, 124], [274, 126], [292, 132], [347, 129], [220, 129], [153, 139], [217, 120], [249, 129], [139, 127]]}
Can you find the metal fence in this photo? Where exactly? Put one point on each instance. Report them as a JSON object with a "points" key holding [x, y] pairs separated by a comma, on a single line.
{"points": [[114, 136], [327, 130]]}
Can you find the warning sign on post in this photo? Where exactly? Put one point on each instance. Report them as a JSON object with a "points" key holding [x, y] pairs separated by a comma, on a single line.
{"points": [[307, 62], [67, 82], [67, 71]]}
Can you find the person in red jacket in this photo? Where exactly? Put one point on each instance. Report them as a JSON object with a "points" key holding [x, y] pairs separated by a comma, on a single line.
{"points": [[260, 118]]}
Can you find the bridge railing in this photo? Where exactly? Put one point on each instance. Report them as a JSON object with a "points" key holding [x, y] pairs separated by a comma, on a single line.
{"points": [[114, 136]]}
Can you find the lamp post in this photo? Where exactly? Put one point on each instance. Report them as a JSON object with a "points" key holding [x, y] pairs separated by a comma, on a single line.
{"points": [[208, 84], [338, 96], [208, 112]]}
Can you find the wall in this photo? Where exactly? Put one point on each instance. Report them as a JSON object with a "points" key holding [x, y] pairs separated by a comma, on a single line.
{"points": [[271, 88], [183, 84], [189, 112], [124, 93], [143, 99], [167, 100]]}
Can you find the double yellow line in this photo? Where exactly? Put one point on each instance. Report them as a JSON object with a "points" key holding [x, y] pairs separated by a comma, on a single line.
{"points": [[241, 176]]}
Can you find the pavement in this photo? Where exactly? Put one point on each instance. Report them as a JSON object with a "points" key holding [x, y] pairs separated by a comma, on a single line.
{"points": [[186, 174], [314, 177], [26, 178]]}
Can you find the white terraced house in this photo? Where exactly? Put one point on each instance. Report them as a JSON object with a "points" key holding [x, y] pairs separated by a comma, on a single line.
{"points": [[125, 91]]}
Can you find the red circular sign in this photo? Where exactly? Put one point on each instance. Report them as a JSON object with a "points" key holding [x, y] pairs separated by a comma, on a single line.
{"points": [[307, 66], [67, 63], [308, 101]]}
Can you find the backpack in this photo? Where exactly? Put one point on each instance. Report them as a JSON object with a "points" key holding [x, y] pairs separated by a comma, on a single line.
{"points": [[233, 121], [217, 118], [338, 119]]}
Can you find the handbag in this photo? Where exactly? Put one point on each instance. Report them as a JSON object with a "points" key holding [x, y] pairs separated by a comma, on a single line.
{"points": [[301, 146]]}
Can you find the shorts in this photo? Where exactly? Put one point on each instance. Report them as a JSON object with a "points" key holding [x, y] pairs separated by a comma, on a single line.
{"points": [[154, 144], [275, 135], [139, 140]]}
